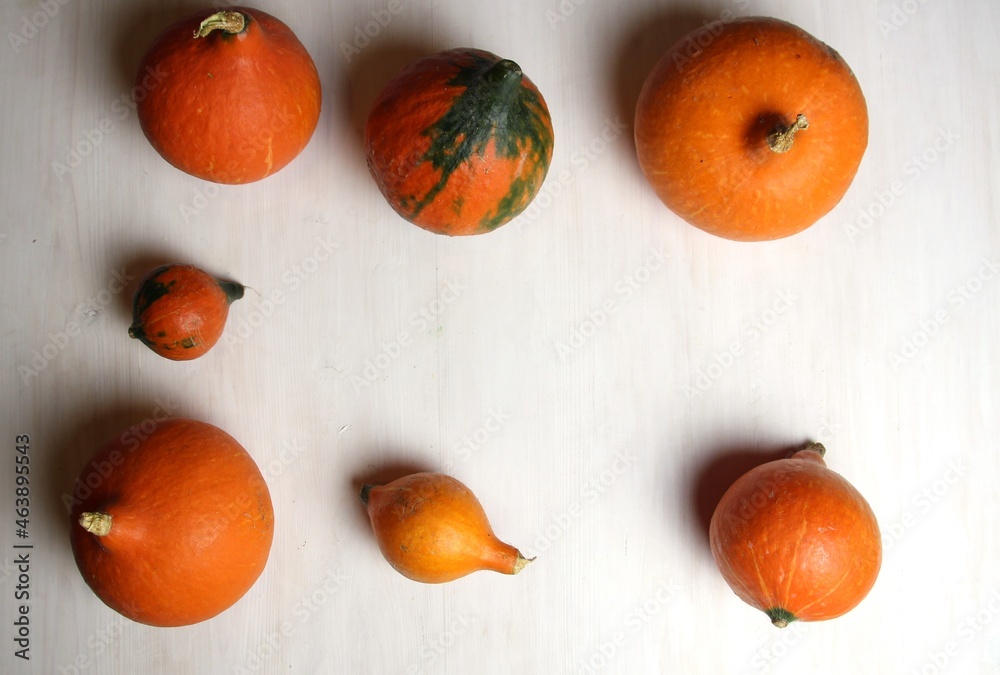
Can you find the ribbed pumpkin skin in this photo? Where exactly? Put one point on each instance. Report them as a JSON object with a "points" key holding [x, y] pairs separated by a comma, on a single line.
{"points": [[192, 524], [796, 540], [704, 114], [431, 528], [180, 311], [459, 142], [228, 108]]}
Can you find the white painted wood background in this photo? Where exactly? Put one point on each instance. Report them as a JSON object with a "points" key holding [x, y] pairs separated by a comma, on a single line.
{"points": [[603, 454]]}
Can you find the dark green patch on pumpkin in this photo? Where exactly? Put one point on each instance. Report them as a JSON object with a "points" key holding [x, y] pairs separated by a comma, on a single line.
{"points": [[514, 202], [150, 291], [493, 105]]}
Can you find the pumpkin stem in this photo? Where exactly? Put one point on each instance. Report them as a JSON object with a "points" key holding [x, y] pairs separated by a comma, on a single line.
{"points": [[365, 490], [817, 447], [780, 617], [502, 71], [233, 290], [520, 563], [780, 140], [230, 22], [96, 523]]}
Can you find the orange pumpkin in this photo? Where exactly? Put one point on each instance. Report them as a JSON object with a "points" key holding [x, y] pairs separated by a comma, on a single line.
{"points": [[459, 142], [751, 129], [180, 311], [230, 97], [177, 525], [796, 540], [431, 528]]}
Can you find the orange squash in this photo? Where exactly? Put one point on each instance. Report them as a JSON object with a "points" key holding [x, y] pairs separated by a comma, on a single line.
{"points": [[796, 540], [180, 311], [230, 96], [459, 142], [751, 129], [432, 529], [177, 525]]}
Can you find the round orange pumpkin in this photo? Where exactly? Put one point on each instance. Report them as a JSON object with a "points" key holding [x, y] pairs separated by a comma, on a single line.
{"points": [[796, 540], [751, 129], [176, 525], [459, 142], [230, 96], [180, 311]]}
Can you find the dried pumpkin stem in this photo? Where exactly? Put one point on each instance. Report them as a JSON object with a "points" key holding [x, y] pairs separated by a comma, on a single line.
{"points": [[230, 22], [521, 563], [780, 140], [96, 523], [817, 447]]}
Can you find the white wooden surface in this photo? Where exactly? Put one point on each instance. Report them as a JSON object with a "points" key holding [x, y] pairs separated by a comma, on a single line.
{"points": [[597, 371]]}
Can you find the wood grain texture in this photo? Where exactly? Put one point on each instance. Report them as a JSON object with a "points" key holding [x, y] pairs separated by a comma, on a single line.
{"points": [[596, 371]]}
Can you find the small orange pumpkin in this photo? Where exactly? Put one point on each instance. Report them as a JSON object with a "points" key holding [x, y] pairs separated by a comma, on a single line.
{"points": [[180, 311], [751, 129], [230, 96], [177, 525], [432, 529], [796, 540], [459, 142]]}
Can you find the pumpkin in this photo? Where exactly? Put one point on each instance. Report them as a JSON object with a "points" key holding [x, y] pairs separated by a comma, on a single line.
{"points": [[796, 540], [176, 526], [459, 142], [432, 529], [751, 129], [229, 97], [180, 311]]}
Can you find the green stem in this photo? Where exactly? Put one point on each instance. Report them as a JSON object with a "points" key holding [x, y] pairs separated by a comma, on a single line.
{"points": [[233, 290], [503, 70], [780, 617], [365, 490]]}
